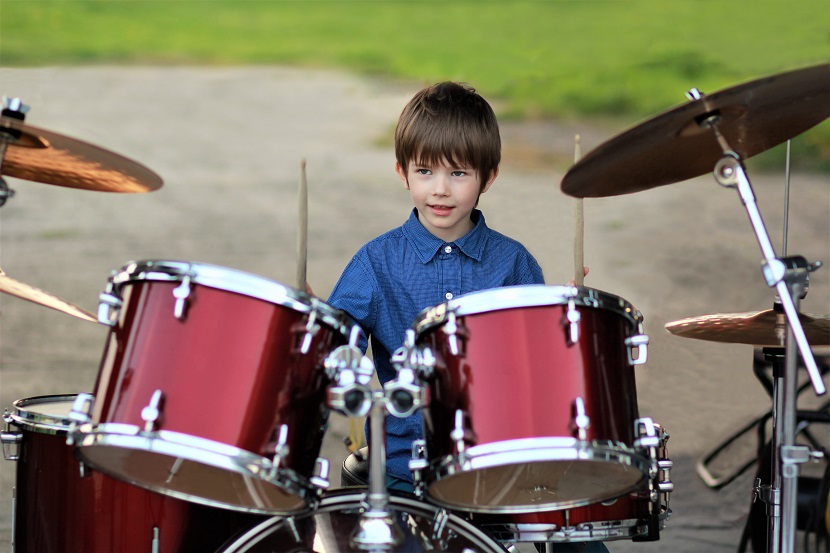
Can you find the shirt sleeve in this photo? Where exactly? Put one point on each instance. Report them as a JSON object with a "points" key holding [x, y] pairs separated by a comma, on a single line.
{"points": [[356, 293]]}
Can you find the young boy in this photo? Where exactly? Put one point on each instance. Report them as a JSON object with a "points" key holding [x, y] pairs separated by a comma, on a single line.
{"points": [[448, 150]]}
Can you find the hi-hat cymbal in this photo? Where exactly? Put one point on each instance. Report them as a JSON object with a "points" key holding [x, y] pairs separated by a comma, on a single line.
{"points": [[674, 146], [30, 293], [44, 156], [758, 328]]}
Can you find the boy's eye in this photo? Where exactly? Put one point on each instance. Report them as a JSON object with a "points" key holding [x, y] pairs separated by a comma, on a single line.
{"points": [[423, 171], [459, 173]]}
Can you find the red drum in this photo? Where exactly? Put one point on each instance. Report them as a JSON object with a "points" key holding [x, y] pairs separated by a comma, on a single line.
{"points": [[420, 527], [532, 403], [58, 511], [640, 515], [212, 386]]}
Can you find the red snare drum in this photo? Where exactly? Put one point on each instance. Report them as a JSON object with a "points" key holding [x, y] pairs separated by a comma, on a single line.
{"points": [[212, 386], [532, 401], [59, 511]]}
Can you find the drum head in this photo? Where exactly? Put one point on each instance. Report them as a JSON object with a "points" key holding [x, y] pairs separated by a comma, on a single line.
{"points": [[537, 486], [199, 471], [330, 528]]}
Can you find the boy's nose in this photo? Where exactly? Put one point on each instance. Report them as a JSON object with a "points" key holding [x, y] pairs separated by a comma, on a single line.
{"points": [[442, 187]]}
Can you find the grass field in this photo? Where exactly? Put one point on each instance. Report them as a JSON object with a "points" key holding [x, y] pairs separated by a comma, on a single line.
{"points": [[625, 59]]}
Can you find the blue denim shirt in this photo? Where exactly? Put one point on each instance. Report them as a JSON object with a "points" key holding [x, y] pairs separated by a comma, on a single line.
{"points": [[394, 277]]}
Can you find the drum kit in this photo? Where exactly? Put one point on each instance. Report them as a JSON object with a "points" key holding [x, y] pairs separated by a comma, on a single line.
{"points": [[574, 462]]}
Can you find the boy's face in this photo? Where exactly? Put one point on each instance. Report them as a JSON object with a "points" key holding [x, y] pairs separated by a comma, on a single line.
{"points": [[444, 196]]}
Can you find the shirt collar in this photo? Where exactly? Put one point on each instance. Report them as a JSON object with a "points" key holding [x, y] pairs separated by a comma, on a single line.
{"points": [[427, 245]]}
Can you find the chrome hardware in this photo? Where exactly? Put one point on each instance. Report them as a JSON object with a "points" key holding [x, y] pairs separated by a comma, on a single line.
{"points": [[417, 465], [181, 293], [455, 332], [694, 94], [351, 372], [645, 433], [640, 343], [311, 328], [581, 422], [281, 449], [457, 433], [79, 414], [152, 412], [11, 445], [320, 476], [571, 319], [403, 394], [156, 544], [109, 305]]}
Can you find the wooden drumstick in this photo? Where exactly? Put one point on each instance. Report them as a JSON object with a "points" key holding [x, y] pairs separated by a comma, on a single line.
{"points": [[579, 237], [302, 229]]}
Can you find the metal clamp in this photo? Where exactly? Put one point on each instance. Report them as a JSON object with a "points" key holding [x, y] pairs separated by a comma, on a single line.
{"points": [[81, 413], [109, 306], [11, 445], [320, 476]]}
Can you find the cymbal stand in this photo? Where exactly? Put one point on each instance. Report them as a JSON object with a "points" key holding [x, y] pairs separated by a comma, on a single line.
{"points": [[13, 108], [789, 277]]}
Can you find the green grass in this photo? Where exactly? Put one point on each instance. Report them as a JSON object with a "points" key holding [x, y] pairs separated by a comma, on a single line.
{"points": [[626, 59]]}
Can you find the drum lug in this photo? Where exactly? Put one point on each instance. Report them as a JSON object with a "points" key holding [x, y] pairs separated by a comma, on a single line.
{"points": [[458, 433], [280, 450], [440, 532], [181, 293], [571, 320], [321, 474], [311, 328], [152, 412], [109, 306], [417, 465], [155, 546], [78, 415], [455, 333], [580, 422], [11, 445], [640, 343]]}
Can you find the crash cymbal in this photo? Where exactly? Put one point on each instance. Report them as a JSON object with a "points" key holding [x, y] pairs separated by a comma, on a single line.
{"points": [[758, 328], [30, 293], [44, 156], [674, 146]]}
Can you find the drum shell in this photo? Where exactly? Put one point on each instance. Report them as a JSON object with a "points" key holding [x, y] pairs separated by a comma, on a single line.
{"points": [[230, 370], [518, 377], [59, 511]]}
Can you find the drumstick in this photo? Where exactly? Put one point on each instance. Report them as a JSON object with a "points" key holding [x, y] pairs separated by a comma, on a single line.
{"points": [[302, 229], [579, 237]]}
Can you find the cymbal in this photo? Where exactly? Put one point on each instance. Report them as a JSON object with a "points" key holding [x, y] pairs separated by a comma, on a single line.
{"points": [[759, 328], [674, 146], [44, 156], [30, 293]]}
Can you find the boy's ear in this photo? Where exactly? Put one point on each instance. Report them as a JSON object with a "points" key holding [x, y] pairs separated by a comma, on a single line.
{"points": [[490, 180], [402, 174]]}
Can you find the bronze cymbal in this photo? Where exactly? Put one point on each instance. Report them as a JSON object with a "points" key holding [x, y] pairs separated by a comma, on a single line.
{"points": [[35, 295], [758, 328], [674, 146], [44, 156]]}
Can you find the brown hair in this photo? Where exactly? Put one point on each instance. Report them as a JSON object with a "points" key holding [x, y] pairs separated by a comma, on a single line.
{"points": [[449, 121]]}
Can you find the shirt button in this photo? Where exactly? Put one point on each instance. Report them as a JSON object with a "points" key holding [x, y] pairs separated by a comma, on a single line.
{"points": [[447, 249], [448, 295]]}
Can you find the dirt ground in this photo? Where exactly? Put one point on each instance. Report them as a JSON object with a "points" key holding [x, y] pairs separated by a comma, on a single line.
{"points": [[228, 144]]}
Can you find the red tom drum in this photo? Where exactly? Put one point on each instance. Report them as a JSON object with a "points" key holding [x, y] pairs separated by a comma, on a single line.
{"points": [[532, 402], [57, 510], [212, 386]]}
